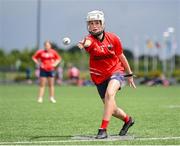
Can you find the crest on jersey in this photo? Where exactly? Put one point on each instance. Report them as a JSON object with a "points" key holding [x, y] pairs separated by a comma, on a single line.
{"points": [[110, 46]]}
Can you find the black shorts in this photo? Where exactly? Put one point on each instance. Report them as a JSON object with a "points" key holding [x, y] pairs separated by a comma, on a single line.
{"points": [[103, 86], [44, 73]]}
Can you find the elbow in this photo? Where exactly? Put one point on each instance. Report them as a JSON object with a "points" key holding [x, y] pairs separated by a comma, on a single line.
{"points": [[59, 60], [34, 59]]}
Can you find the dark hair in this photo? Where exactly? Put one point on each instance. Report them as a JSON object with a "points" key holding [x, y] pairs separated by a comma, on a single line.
{"points": [[48, 41]]}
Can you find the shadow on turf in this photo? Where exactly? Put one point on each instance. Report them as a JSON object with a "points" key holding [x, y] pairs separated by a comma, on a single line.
{"points": [[82, 137], [64, 137]]}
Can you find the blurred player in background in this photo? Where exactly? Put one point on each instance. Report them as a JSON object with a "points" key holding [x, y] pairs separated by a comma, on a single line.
{"points": [[73, 74], [47, 59], [107, 67]]}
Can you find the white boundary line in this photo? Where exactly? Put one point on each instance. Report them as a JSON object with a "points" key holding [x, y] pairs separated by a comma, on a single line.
{"points": [[86, 140], [156, 138]]}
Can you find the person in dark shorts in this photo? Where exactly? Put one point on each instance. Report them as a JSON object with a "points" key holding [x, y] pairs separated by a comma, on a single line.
{"points": [[47, 59], [107, 65]]}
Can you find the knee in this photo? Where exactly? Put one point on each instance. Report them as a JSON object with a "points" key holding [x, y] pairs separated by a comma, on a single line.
{"points": [[41, 85], [115, 112], [110, 94], [51, 85]]}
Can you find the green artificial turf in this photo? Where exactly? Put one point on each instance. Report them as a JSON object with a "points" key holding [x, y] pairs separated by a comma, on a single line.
{"points": [[78, 111]]}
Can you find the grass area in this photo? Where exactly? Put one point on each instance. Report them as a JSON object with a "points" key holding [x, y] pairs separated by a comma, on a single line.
{"points": [[78, 111]]}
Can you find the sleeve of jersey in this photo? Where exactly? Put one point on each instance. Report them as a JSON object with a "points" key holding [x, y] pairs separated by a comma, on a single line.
{"points": [[57, 56], [90, 46], [118, 44], [36, 55]]}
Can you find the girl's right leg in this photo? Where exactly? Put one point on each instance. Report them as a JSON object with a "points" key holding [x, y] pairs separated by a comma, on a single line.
{"points": [[109, 107]]}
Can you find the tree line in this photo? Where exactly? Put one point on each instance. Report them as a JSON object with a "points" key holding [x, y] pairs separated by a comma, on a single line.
{"points": [[9, 60]]}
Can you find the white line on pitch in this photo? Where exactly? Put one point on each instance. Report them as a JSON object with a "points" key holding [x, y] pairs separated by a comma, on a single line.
{"points": [[156, 138], [86, 140]]}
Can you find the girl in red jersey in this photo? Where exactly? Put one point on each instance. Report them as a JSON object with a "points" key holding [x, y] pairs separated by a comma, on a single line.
{"points": [[47, 59], [107, 68]]}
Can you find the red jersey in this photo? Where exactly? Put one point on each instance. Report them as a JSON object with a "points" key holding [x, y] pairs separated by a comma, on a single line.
{"points": [[47, 58], [104, 57]]}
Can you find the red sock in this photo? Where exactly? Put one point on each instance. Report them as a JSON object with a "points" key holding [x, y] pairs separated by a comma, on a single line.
{"points": [[126, 119], [104, 124]]}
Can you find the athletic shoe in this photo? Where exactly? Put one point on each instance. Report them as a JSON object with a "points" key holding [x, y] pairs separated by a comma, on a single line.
{"points": [[52, 100], [101, 134], [126, 126], [40, 100]]}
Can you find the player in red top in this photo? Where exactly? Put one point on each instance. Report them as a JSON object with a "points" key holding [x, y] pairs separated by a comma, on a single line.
{"points": [[107, 68], [47, 59]]}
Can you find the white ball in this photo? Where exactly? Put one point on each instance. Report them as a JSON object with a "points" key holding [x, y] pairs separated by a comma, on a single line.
{"points": [[66, 41]]}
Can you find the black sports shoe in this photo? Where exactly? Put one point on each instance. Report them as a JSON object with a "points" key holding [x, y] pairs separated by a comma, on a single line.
{"points": [[126, 126], [101, 134]]}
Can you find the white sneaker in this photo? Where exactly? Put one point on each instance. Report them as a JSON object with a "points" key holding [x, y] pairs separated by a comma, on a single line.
{"points": [[52, 100], [40, 100]]}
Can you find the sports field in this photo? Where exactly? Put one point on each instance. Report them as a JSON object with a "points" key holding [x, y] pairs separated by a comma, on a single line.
{"points": [[78, 111]]}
